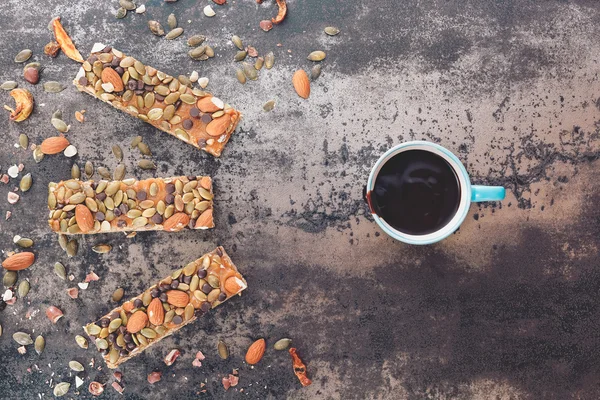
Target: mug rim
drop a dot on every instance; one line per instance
(464, 182)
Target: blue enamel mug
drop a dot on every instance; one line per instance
(468, 193)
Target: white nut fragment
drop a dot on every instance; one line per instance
(217, 102)
(83, 285)
(13, 198)
(203, 82)
(108, 87)
(141, 9)
(98, 47)
(209, 12)
(13, 171)
(70, 151)
(78, 381)
(194, 76)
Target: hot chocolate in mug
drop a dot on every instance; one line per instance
(420, 193)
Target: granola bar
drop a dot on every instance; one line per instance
(166, 307)
(168, 204)
(168, 103)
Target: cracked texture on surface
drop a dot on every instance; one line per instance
(506, 308)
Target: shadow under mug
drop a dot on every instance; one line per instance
(468, 193)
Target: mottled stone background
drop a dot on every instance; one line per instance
(507, 308)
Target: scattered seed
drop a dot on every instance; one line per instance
(269, 60)
(119, 172)
(315, 72)
(38, 155)
(117, 295)
(9, 278)
(282, 344)
(76, 366)
(103, 171)
(0, 330)
(25, 183)
(196, 40)
(70, 151)
(59, 270)
(197, 53)
(250, 71)
(237, 42)
(61, 389)
(316, 56)
(23, 56)
(121, 13)
(40, 344)
(53, 87)
(269, 105)
(146, 164)
(75, 172)
(141, 9)
(203, 82)
(116, 149)
(81, 341)
(72, 247)
(79, 116)
(175, 33)
(156, 28)
(102, 248)
(22, 338)
(266, 25)
(209, 12)
(9, 85)
(23, 289)
(127, 4)
(240, 55)
(89, 169)
(60, 125)
(172, 21)
(223, 350)
(331, 30)
(240, 76)
(144, 149)
(259, 63)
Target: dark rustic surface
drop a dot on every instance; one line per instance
(507, 308)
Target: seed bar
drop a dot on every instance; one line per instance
(168, 103)
(166, 307)
(168, 204)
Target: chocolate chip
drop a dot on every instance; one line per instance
(114, 315)
(115, 61)
(201, 273)
(142, 195)
(139, 91)
(83, 81)
(177, 320)
(187, 124)
(222, 296)
(174, 284)
(100, 216)
(187, 279)
(131, 346)
(120, 70)
(132, 84)
(154, 293)
(194, 112)
(149, 88)
(169, 198)
(124, 353)
(117, 212)
(163, 297)
(104, 322)
(123, 208)
(206, 288)
(127, 338)
(205, 306)
(206, 118)
(170, 188)
(101, 196)
(159, 97)
(157, 218)
(107, 49)
(121, 224)
(140, 84)
(92, 59)
(137, 303)
(111, 338)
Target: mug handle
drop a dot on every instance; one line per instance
(487, 193)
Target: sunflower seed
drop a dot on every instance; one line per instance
(146, 164)
(156, 28)
(22, 338)
(269, 105)
(76, 366)
(240, 55)
(25, 183)
(61, 389)
(9, 278)
(9, 85)
(59, 270)
(144, 149)
(23, 56)
(40, 344)
(235, 39)
(239, 74)
(81, 341)
(316, 56)
(175, 33)
(60, 125)
(102, 248)
(249, 71)
(196, 40)
(208, 11)
(119, 172)
(53, 87)
(315, 72)
(331, 30)
(269, 60)
(223, 350)
(172, 21)
(23, 289)
(75, 172)
(121, 13)
(116, 149)
(127, 4)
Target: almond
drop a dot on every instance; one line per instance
(19, 261)
(205, 220)
(54, 314)
(206, 182)
(255, 351)
(109, 75)
(176, 222)
(178, 298)
(301, 83)
(84, 218)
(54, 145)
(137, 322)
(156, 312)
(206, 105)
(233, 285)
(218, 126)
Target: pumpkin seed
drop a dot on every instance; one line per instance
(260, 61)
(113, 356)
(104, 172)
(189, 312)
(102, 248)
(239, 74)
(282, 344)
(119, 172)
(77, 198)
(61, 389)
(93, 329)
(156, 28)
(188, 98)
(81, 341)
(22, 338)
(116, 149)
(38, 156)
(9, 85)
(315, 72)
(144, 149)
(40, 344)
(75, 172)
(76, 366)
(197, 52)
(53, 87)
(60, 125)
(223, 350)
(59, 270)
(25, 183)
(23, 289)
(136, 141)
(114, 325)
(112, 188)
(172, 21)
(62, 241)
(316, 56)
(213, 281)
(196, 40)
(148, 332)
(249, 71)
(23, 56)
(235, 39)
(175, 33)
(269, 105)
(170, 99)
(127, 4)
(269, 60)
(121, 13)
(139, 222)
(23, 141)
(331, 30)
(72, 246)
(240, 55)
(9, 279)
(117, 295)
(101, 344)
(89, 169)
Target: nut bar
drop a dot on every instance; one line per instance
(166, 307)
(168, 204)
(168, 103)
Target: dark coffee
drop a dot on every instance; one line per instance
(416, 192)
